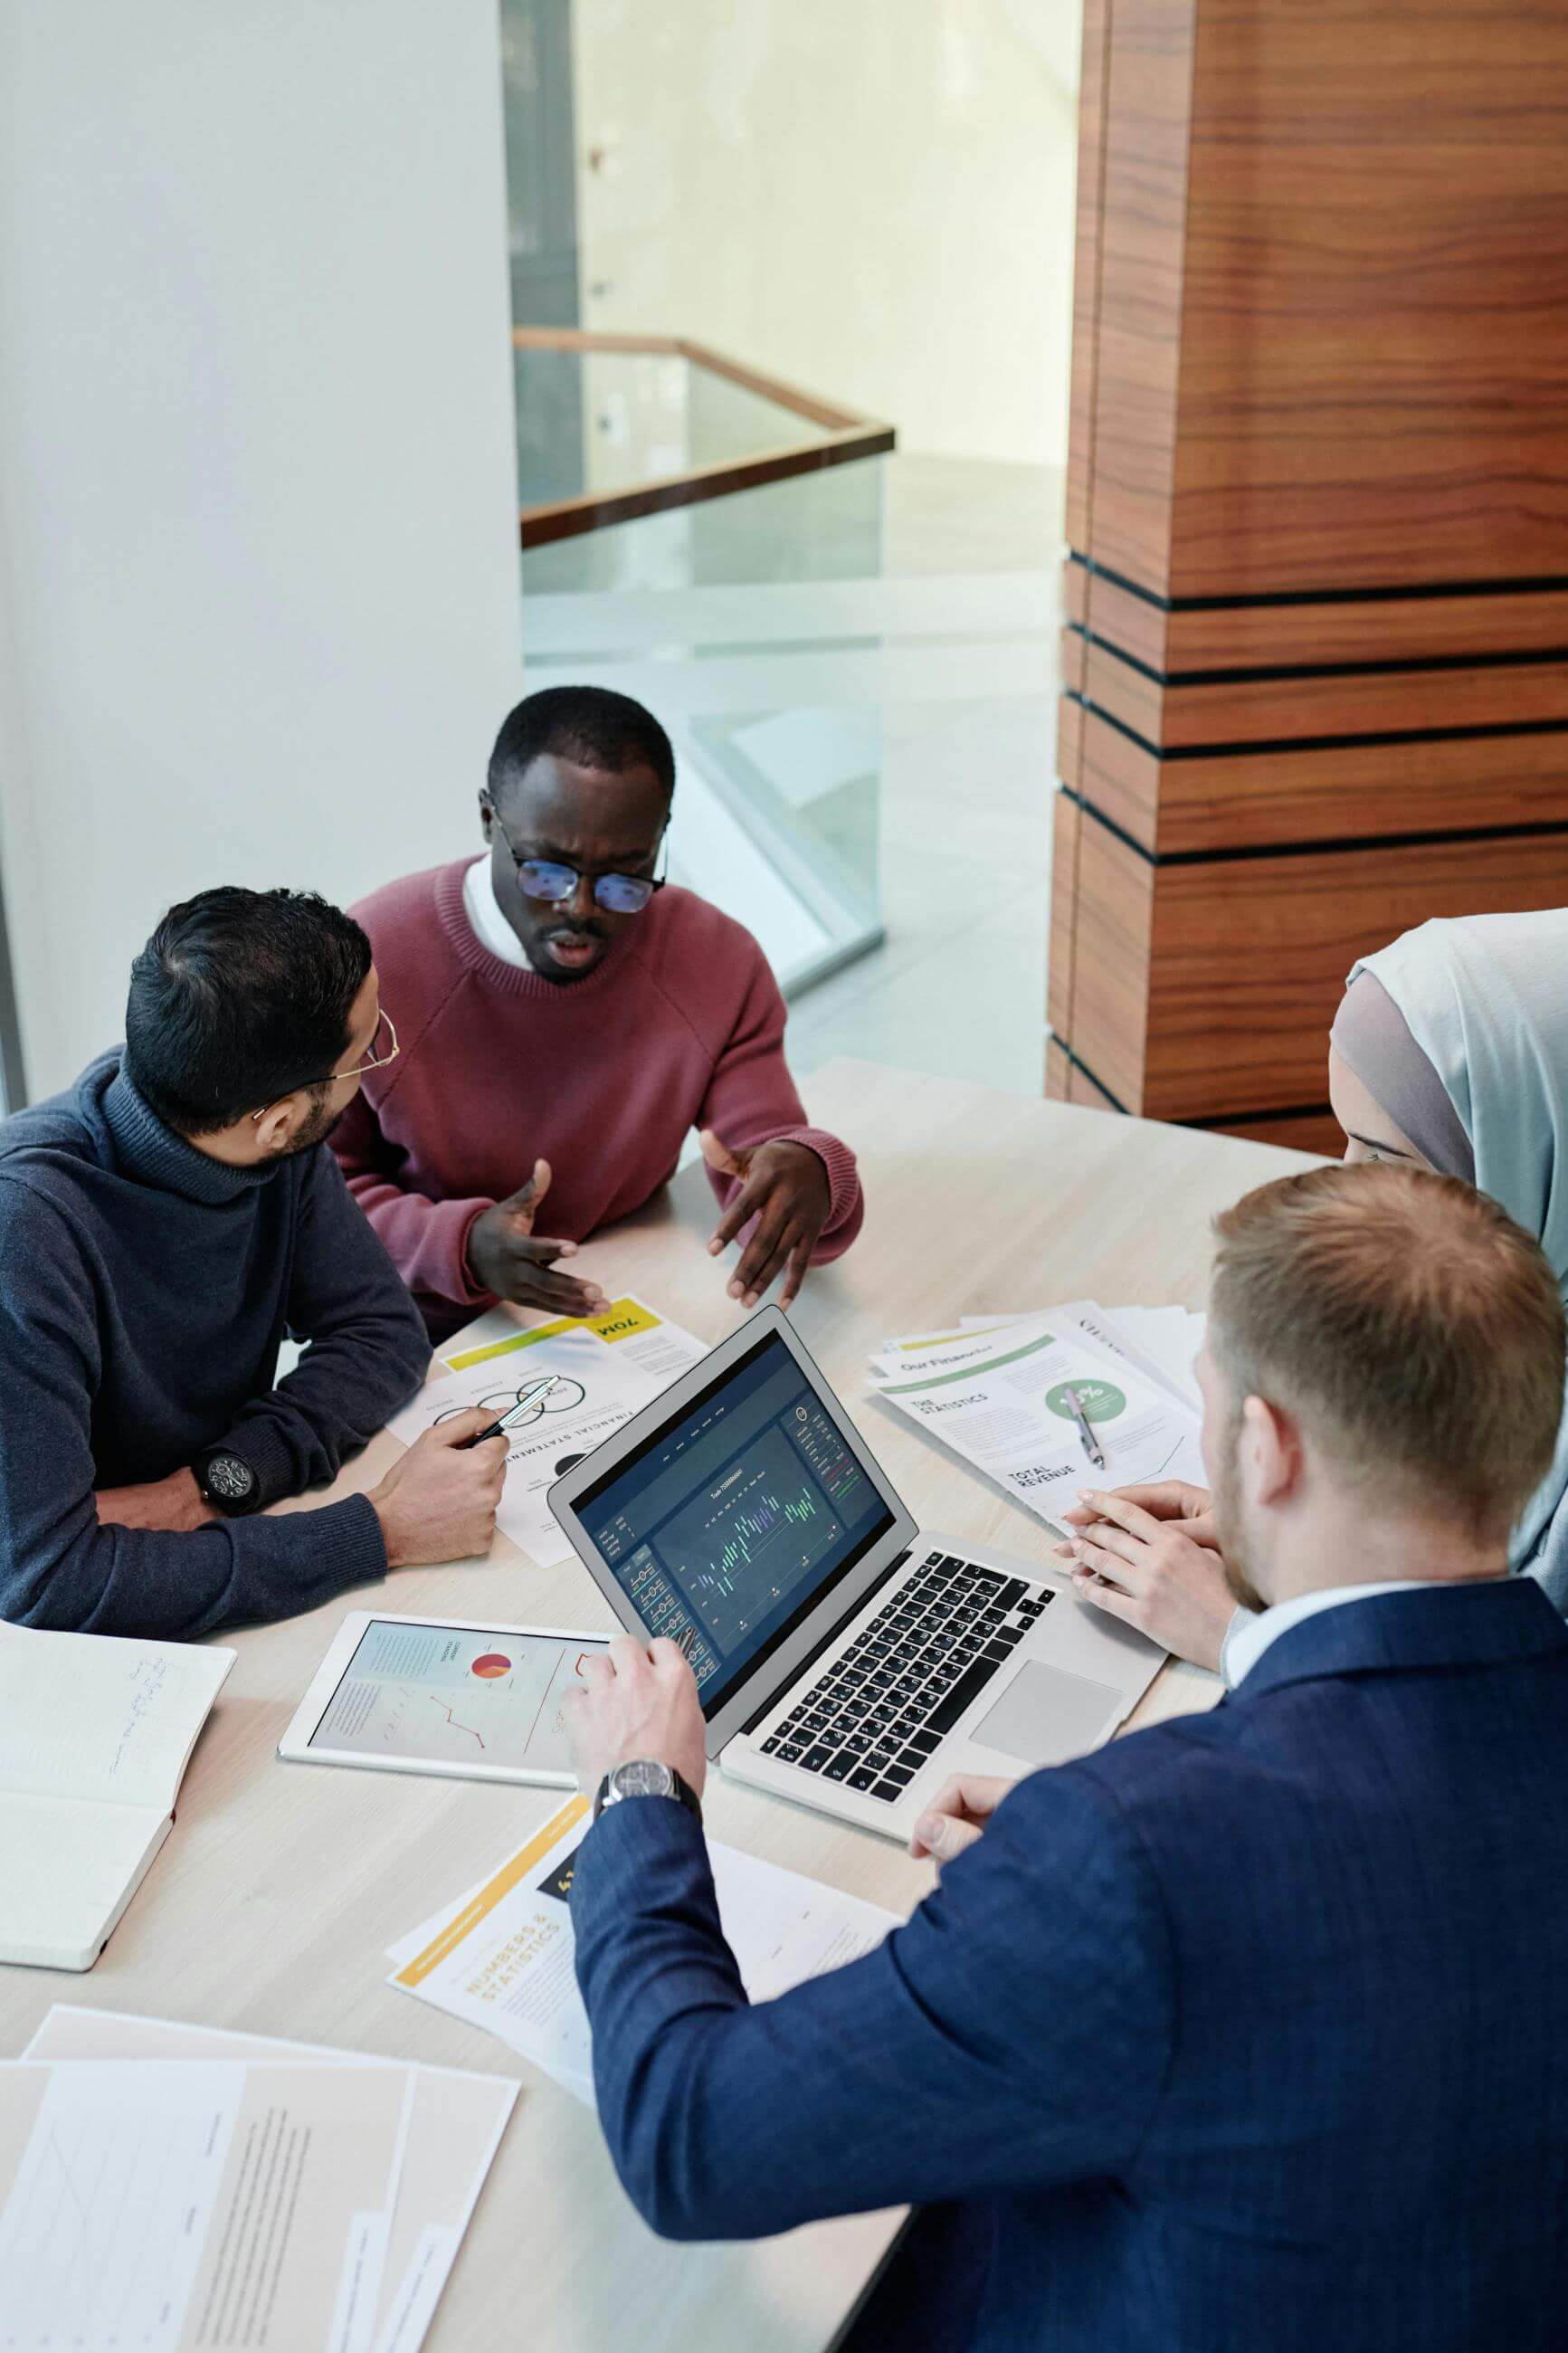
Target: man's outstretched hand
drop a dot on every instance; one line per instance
(637, 1699)
(505, 1257)
(784, 1187)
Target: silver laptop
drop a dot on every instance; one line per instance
(845, 1657)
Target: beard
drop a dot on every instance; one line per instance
(1230, 1523)
(318, 1126)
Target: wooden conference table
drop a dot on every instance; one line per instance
(271, 1906)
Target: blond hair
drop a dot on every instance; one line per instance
(1407, 1322)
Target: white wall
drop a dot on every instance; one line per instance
(873, 197)
(258, 581)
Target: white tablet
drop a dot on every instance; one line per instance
(442, 1695)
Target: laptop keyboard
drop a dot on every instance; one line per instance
(879, 1710)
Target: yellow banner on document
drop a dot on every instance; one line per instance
(479, 1906)
(619, 1321)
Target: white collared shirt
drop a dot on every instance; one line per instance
(489, 925)
(1250, 1632)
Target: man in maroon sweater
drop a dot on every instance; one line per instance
(565, 1018)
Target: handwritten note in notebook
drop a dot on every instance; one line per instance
(95, 1734)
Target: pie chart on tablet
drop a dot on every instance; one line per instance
(490, 1664)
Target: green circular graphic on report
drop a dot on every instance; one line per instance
(1102, 1401)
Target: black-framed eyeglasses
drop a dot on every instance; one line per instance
(553, 881)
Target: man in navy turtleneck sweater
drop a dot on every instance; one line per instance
(164, 1226)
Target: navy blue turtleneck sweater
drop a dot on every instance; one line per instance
(144, 1289)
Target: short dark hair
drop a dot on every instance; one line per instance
(1408, 1322)
(590, 724)
(238, 998)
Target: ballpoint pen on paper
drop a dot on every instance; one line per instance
(531, 1395)
(1086, 1437)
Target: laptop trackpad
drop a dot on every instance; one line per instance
(1045, 1714)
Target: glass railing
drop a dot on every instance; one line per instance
(681, 516)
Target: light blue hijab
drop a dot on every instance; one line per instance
(1485, 997)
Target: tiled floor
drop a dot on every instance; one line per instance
(952, 653)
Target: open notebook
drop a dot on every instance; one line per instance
(95, 1736)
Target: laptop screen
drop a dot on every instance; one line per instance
(730, 1523)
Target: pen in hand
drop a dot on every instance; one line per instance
(530, 1396)
(1086, 1437)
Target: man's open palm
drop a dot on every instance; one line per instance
(508, 1258)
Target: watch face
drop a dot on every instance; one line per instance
(643, 1779)
(229, 1479)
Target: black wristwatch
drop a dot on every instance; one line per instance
(644, 1776)
(229, 1484)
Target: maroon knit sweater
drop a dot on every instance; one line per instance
(681, 1026)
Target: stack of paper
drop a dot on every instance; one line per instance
(177, 2186)
(1001, 1391)
(503, 1955)
(604, 1369)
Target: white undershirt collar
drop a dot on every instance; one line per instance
(489, 924)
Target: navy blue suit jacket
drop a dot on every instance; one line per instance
(1245, 2032)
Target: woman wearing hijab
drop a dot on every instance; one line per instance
(1449, 1049)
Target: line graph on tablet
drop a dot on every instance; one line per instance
(446, 1695)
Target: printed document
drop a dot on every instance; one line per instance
(502, 1957)
(602, 1369)
(1162, 1341)
(1002, 1398)
(183, 2206)
(455, 2124)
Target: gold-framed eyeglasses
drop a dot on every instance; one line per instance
(386, 1035)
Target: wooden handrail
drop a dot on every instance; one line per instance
(847, 436)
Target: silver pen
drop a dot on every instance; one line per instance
(531, 1394)
(1086, 1437)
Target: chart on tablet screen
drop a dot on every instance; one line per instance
(442, 1695)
